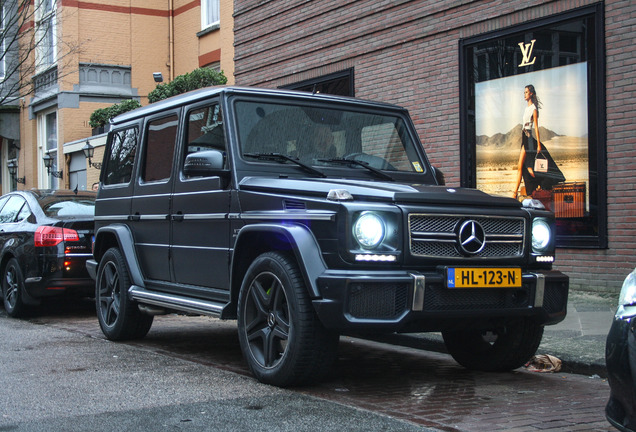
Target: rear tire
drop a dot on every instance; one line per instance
(118, 315)
(281, 337)
(12, 289)
(503, 348)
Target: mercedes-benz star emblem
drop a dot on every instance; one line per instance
(471, 237)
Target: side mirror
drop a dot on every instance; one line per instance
(439, 176)
(208, 163)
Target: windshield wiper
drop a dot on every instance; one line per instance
(344, 161)
(279, 157)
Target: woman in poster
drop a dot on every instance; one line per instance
(531, 148)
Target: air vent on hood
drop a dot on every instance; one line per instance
(294, 205)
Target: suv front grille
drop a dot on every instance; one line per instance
(436, 236)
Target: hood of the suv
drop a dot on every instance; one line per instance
(363, 190)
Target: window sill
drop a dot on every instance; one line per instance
(207, 30)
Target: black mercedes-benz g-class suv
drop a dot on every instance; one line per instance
(309, 216)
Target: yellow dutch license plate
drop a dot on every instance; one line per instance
(463, 277)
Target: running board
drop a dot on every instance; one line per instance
(171, 301)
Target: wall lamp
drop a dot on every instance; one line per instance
(89, 150)
(48, 163)
(13, 172)
(157, 76)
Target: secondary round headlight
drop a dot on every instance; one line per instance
(540, 235)
(369, 230)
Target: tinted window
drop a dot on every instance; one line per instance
(314, 134)
(121, 156)
(11, 209)
(3, 201)
(205, 130)
(160, 141)
(68, 206)
(24, 213)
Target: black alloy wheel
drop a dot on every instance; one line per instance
(118, 315)
(12, 288)
(281, 337)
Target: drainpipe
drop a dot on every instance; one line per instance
(171, 37)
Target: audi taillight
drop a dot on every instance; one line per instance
(52, 236)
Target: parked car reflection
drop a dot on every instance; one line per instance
(620, 358)
(45, 239)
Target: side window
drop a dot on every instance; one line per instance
(11, 209)
(3, 201)
(121, 156)
(204, 130)
(24, 213)
(161, 137)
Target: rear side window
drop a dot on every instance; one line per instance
(121, 156)
(11, 209)
(159, 150)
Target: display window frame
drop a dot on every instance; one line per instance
(563, 58)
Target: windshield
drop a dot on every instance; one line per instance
(323, 136)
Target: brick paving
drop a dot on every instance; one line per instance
(432, 390)
(422, 387)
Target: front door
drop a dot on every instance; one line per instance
(200, 224)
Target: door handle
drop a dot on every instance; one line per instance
(134, 218)
(177, 217)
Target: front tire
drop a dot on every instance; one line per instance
(281, 337)
(499, 349)
(12, 289)
(118, 315)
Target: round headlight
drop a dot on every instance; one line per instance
(540, 235)
(369, 230)
(627, 297)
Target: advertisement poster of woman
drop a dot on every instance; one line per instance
(561, 126)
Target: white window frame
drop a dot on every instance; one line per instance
(45, 180)
(45, 54)
(210, 13)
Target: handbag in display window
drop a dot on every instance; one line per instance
(540, 163)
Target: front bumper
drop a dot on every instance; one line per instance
(620, 358)
(403, 301)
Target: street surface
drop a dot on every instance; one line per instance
(57, 372)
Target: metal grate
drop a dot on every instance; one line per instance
(448, 300)
(377, 300)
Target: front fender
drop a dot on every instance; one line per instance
(299, 240)
(118, 235)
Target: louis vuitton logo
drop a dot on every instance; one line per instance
(526, 52)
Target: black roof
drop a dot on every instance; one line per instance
(201, 94)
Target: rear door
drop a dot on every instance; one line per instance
(151, 204)
(114, 201)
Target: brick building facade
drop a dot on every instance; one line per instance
(92, 54)
(409, 53)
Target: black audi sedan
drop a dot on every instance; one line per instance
(620, 359)
(45, 239)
